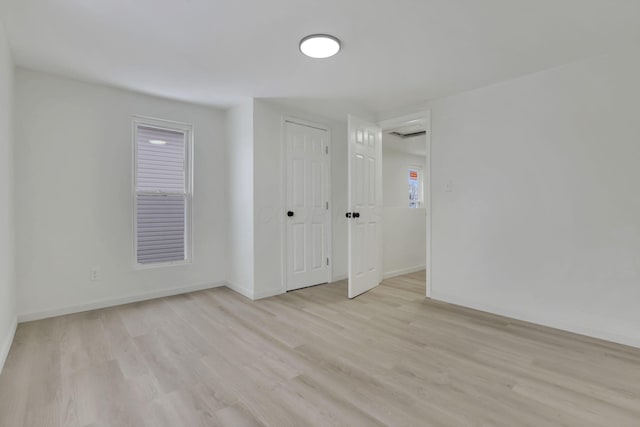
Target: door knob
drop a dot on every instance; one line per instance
(356, 214)
(290, 213)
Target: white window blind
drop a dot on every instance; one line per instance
(162, 194)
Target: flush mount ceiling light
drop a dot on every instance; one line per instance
(157, 142)
(319, 45)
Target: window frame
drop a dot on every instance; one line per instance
(188, 131)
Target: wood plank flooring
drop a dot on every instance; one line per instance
(312, 358)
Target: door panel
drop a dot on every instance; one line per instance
(371, 182)
(365, 202)
(298, 248)
(317, 180)
(318, 243)
(358, 176)
(307, 197)
(298, 183)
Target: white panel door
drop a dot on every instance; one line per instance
(307, 213)
(365, 206)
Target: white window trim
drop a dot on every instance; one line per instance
(188, 130)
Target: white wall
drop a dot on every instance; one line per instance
(7, 276)
(543, 222)
(240, 236)
(404, 230)
(74, 196)
(269, 213)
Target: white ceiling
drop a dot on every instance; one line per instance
(395, 53)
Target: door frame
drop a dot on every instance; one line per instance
(284, 201)
(396, 122)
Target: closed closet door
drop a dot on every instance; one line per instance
(307, 215)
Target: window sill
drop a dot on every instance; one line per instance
(152, 266)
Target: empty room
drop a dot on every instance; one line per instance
(319, 213)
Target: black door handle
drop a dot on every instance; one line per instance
(290, 213)
(356, 214)
(348, 215)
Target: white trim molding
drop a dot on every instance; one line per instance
(267, 293)
(253, 296)
(94, 305)
(245, 292)
(6, 343)
(549, 322)
(402, 272)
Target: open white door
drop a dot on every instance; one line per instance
(365, 206)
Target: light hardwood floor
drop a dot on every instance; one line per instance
(312, 358)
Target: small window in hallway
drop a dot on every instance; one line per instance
(415, 188)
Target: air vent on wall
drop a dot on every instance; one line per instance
(408, 135)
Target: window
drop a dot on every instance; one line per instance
(162, 191)
(415, 188)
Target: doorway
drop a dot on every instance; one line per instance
(406, 165)
(308, 218)
(367, 194)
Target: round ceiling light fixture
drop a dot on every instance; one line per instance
(320, 46)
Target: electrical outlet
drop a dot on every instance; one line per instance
(94, 274)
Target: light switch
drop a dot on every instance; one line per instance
(449, 187)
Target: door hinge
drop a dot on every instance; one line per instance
(326, 149)
(327, 205)
(327, 261)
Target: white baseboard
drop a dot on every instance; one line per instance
(551, 323)
(254, 295)
(6, 343)
(268, 293)
(60, 311)
(94, 305)
(245, 292)
(339, 278)
(403, 271)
